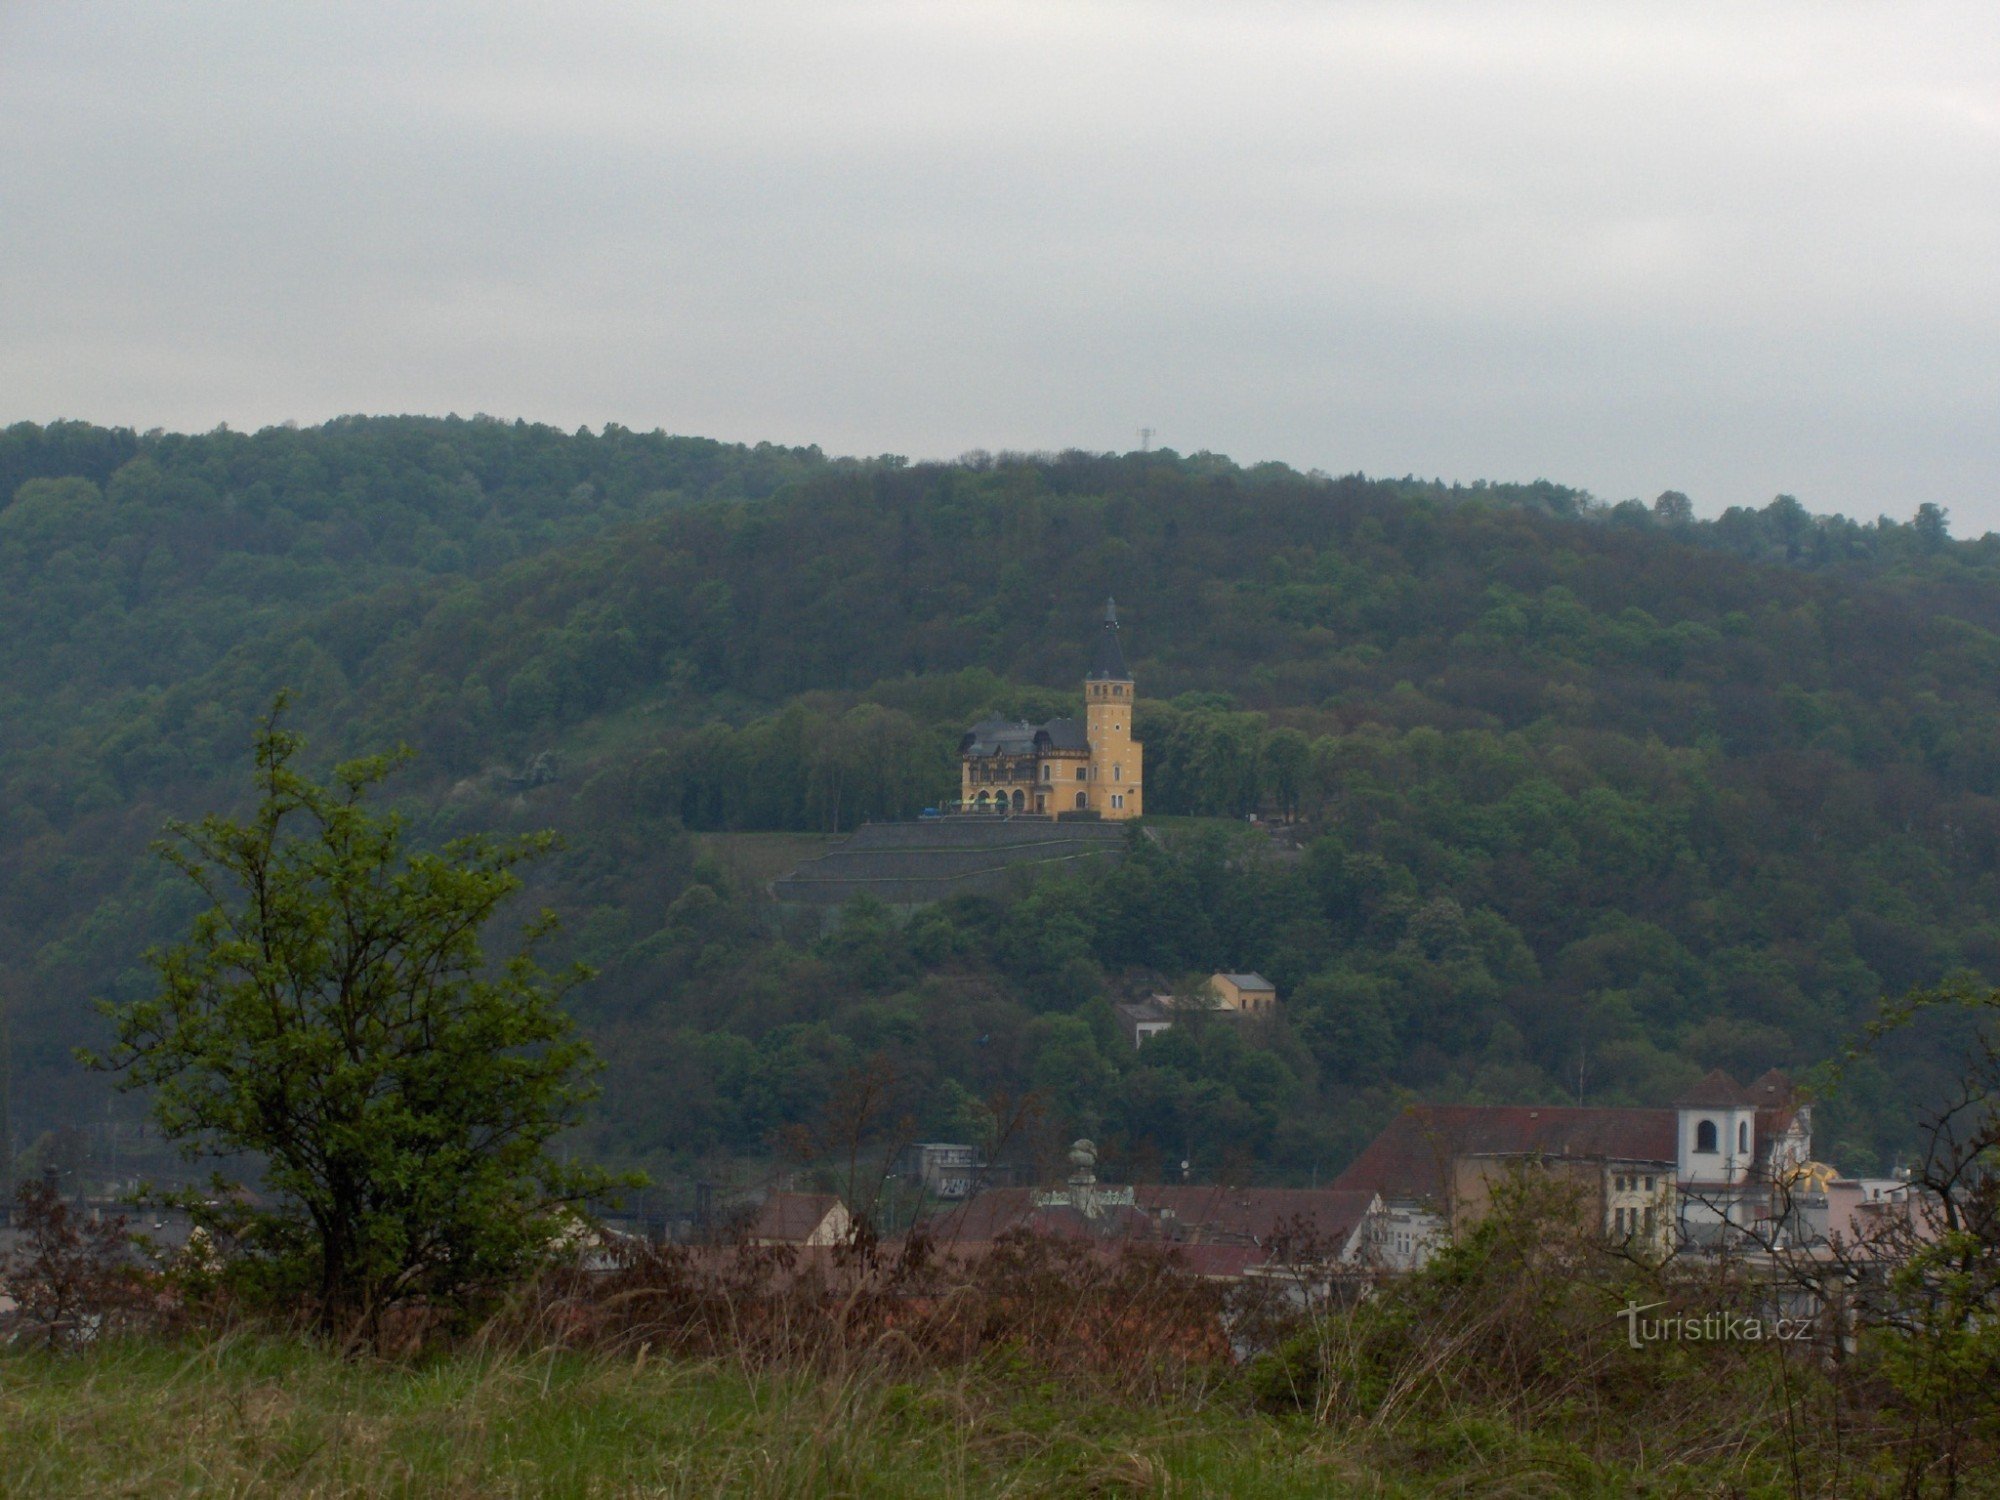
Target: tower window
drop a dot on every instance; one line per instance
(1704, 1136)
(1742, 1135)
(1048, 773)
(1117, 773)
(1080, 799)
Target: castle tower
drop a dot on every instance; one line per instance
(1115, 787)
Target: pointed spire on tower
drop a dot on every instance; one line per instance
(1109, 663)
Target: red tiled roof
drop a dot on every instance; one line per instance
(1412, 1157)
(984, 1216)
(1259, 1215)
(1253, 1219)
(998, 1211)
(1717, 1090)
(1219, 1262)
(791, 1218)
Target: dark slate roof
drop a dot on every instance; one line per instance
(1143, 1010)
(1066, 734)
(1412, 1157)
(1108, 665)
(999, 737)
(1019, 737)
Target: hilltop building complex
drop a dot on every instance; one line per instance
(1062, 768)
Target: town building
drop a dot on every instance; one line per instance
(1220, 1232)
(1245, 994)
(1145, 1019)
(1713, 1172)
(945, 1169)
(1062, 767)
(815, 1219)
(1735, 1148)
(1223, 997)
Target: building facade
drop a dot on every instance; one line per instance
(1062, 767)
(1713, 1173)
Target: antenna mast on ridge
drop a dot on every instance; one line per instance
(1145, 440)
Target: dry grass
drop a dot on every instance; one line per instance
(263, 1416)
(1032, 1368)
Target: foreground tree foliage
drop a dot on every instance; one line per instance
(333, 1013)
(71, 1277)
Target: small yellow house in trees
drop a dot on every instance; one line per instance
(1012, 766)
(1246, 994)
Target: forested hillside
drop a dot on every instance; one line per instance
(1588, 797)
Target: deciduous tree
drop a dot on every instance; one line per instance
(333, 1013)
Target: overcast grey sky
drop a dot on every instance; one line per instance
(1730, 248)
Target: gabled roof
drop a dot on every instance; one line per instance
(1249, 982)
(792, 1217)
(1771, 1090)
(1717, 1090)
(1411, 1158)
(986, 1215)
(998, 737)
(1327, 1217)
(1142, 1010)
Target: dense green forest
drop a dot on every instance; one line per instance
(1588, 797)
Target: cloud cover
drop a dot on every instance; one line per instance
(1732, 249)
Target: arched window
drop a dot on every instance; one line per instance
(1704, 1136)
(1742, 1135)
(1048, 773)
(1019, 801)
(1117, 773)
(1081, 800)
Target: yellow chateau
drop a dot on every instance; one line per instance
(1062, 767)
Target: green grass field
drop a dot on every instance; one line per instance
(246, 1416)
